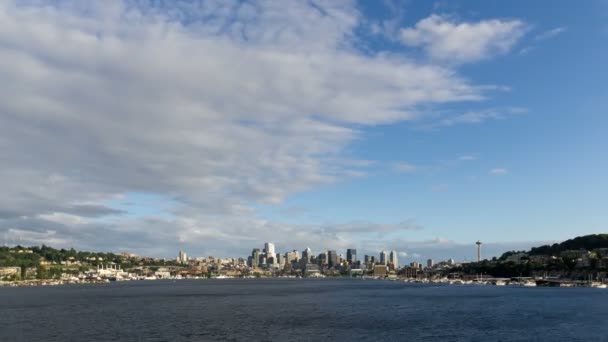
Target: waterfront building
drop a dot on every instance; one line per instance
(366, 259)
(372, 259)
(380, 271)
(9, 271)
(394, 259)
(429, 263)
(311, 269)
(351, 255)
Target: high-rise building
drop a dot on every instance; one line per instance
(394, 259)
(255, 257)
(279, 259)
(291, 257)
(332, 258)
(351, 255)
(269, 248)
(478, 243)
(429, 263)
(322, 259)
(383, 258)
(307, 254)
(366, 259)
(372, 259)
(182, 257)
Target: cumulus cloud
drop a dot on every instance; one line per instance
(467, 157)
(445, 39)
(215, 106)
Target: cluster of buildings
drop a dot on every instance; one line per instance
(307, 263)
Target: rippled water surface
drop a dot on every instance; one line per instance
(300, 310)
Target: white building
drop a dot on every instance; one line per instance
(394, 260)
(307, 254)
(182, 258)
(383, 258)
(269, 248)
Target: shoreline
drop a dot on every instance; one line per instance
(445, 282)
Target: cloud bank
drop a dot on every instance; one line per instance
(215, 105)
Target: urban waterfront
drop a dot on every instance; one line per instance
(300, 310)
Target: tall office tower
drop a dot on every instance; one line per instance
(279, 259)
(478, 243)
(182, 258)
(394, 260)
(307, 254)
(429, 263)
(291, 257)
(366, 259)
(332, 258)
(269, 248)
(372, 259)
(322, 259)
(383, 258)
(255, 257)
(351, 255)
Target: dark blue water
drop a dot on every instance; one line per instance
(301, 310)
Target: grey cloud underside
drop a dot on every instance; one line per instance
(217, 106)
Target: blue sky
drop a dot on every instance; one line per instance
(216, 126)
(552, 151)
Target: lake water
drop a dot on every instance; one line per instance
(300, 310)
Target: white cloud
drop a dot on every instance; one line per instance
(467, 158)
(550, 33)
(498, 171)
(404, 167)
(444, 39)
(216, 106)
(479, 116)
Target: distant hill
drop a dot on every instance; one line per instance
(588, 242)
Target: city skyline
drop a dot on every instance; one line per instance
(413, 127)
